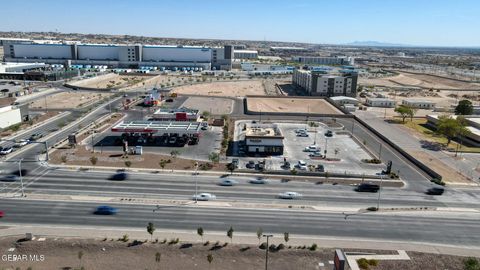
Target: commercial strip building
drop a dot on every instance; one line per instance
(263, 140)
(380, 102)
(318, 83)
(338, 60)
(419, 104)
(181, 114)
(125, 56)
(11, 114)
(473, 125)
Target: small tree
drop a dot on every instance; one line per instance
(231, 167)
(230, 233)
(93, 160)
(150, 229)
(206, 115)
(80, 256)
(471, 264)
(286, 237)
(259, 234)
(174, 153)
(200, 232)
(128, 163)
(210, 258)
(158, 257)
(450, 127)
(214, 157)
(404, 112)
(64, 159)
(464, 107)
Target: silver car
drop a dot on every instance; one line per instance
(228, 182)
(204, 197)
(290, 195)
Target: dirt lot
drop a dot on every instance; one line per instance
(216, 106)
(425, 81)
(68, 100)
(229, 89)
(291, 105)
(102, 254)
(112, 81)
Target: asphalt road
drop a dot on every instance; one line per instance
(458, 229)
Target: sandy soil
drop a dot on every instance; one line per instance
(426, 81)
(102, 254)
(68, 100)
(449, 175)
(216, 106)
(298, 105)
(111, 81)
(230, 89)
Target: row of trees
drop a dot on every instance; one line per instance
(464, 107)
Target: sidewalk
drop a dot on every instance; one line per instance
(238, 238)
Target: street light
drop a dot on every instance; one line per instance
(196, 180)
(266, 250)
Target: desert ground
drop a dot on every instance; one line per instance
(101, 254)
(215, 106)
(291, 105)
(111, 80)
(68, 100)
(229, 89)
(424, 81)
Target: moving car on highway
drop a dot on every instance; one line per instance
(435, 191)
(105, 210)
(21, 143)
(228, 182)
(35, 136)
(9, 178)
(258, 180)
(204, 197)
(120, 176)
(290, 195)
(5, 150)
(2, 214)
(367, 187)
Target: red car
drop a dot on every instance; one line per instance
(1, 214)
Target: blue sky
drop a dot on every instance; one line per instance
(415, 22)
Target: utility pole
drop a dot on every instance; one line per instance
(266, 250)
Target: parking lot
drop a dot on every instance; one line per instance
(343, 154)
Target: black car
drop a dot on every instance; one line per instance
(120, 176)
(329, 133)
(35, 137)
(367, 187)
(435, 191)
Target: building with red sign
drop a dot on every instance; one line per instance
(181, 114)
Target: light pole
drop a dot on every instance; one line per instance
(326, 144)
(266, 250)
(379, 192)
(196, 184)
(21, 176)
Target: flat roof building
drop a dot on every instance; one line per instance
(245, 54)
(181, 114)
(321, 83)
(263, 140)
(419, 104)
(380, 102)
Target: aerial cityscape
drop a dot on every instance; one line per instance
(217, 135)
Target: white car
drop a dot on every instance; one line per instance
(6, 150)
(302, 165)
(290, 195)
(302, 134)
(21, 143)
(258, 180)
(312, 148)
(204, 197)
(300, 130)
(228, 182)
(315, 154)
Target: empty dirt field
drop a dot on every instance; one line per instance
(419, 80)
(227, 89)
(213, 105)
(68, 100)
(112, 80)
(291, 105)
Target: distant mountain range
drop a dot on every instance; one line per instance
(376, 44)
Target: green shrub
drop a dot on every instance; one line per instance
(263, 245)
(313, 247)
(373, 262)
(471, 264)
(363, 264)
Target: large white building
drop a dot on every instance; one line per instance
(419, 104)
(115, 55)
(327, 85)
(323, 60)
(9, 115)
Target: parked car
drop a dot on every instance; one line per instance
(204, 197)
(290, 195)
(302, 134)
(6, 150)
(286, 165)
(228, 182)
(9, 178)
(329, 133)
(300, 130)
(21, 143)
(169, 100)
(35, 136)
(367, 187)
(172, 140)
(302, 165)
(315, 154)
(312, 148)
(258, 180)
(105, 210)
(235, 162)
(120, 176)
(251, 164)
(320, 168)
(435, 191)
